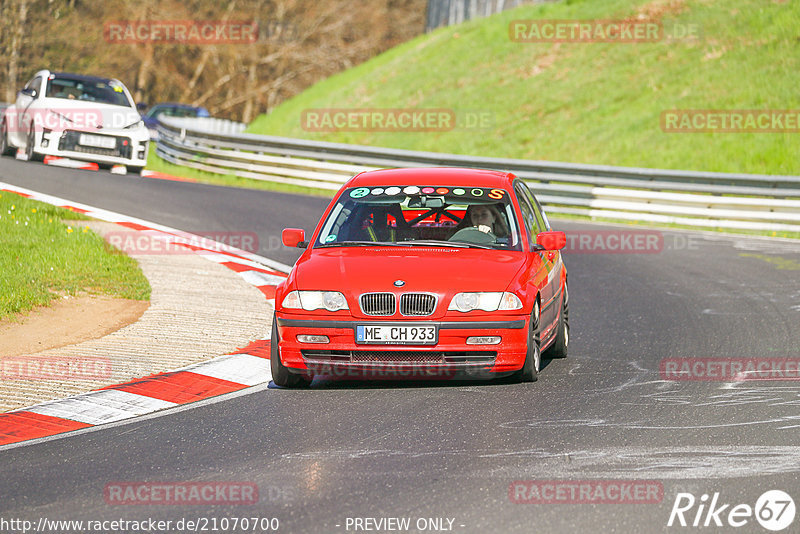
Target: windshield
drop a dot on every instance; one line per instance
(108, 92)
(411, 215)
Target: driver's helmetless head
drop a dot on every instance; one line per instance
(481, 215)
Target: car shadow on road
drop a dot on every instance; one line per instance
(334, 382)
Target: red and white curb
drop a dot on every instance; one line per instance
(241, 369)
(58, 161)
(71, 163)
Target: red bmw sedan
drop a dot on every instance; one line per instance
(423, 273)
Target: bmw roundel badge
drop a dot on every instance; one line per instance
(399, 283)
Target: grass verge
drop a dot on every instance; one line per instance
(583, 102)
(43, 258)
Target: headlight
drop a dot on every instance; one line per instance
(138, 125)
(314, 300)
(486, 301)
(60, 115)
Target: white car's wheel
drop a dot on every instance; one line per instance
(5, 148)
(30, 146)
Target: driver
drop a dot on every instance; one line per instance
(487, 216)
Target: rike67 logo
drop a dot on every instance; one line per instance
(774, 510)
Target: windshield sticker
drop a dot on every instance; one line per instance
(360, 192)
(331, 238)
(412, 190)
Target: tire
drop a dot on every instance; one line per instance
(135, 170)
(559, 347)
(533, 357)
(30, 147)
(5, 148)
(280, 373)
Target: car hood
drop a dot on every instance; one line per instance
(443, 271)
(89, 116)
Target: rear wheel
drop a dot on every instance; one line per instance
(559, 347)
(280, 373)
(533, 358)
(5, 148)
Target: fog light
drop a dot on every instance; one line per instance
(483, 340)
(141, 153)
(45, 143)
(305, 338)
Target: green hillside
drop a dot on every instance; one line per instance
(583, 102)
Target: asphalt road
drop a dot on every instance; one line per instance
(344, 450)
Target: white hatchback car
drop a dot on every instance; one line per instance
(79, 117)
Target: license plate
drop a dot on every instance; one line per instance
(100, 141)
(396, 334)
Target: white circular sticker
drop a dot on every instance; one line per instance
(411, 190)
(392, 190)
(775, 510)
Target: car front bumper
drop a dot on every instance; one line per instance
(130, 149)
(451, 356)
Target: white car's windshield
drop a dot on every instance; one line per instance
(412, 215)
(104, 92)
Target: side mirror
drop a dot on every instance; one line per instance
(29, 92)
(294, 237)
(551, 241)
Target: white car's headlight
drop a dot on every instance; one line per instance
(315, 300)
(486, 301)
(138, 125)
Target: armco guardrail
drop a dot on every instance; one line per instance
(734, 201)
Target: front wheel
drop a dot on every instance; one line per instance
(533, 357)
(30, 146)
(5, 148)
(559, 347)
(280, 373)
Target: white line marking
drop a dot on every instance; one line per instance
(99, 407)
(261, 279)
(171, 411)
(240, 368)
